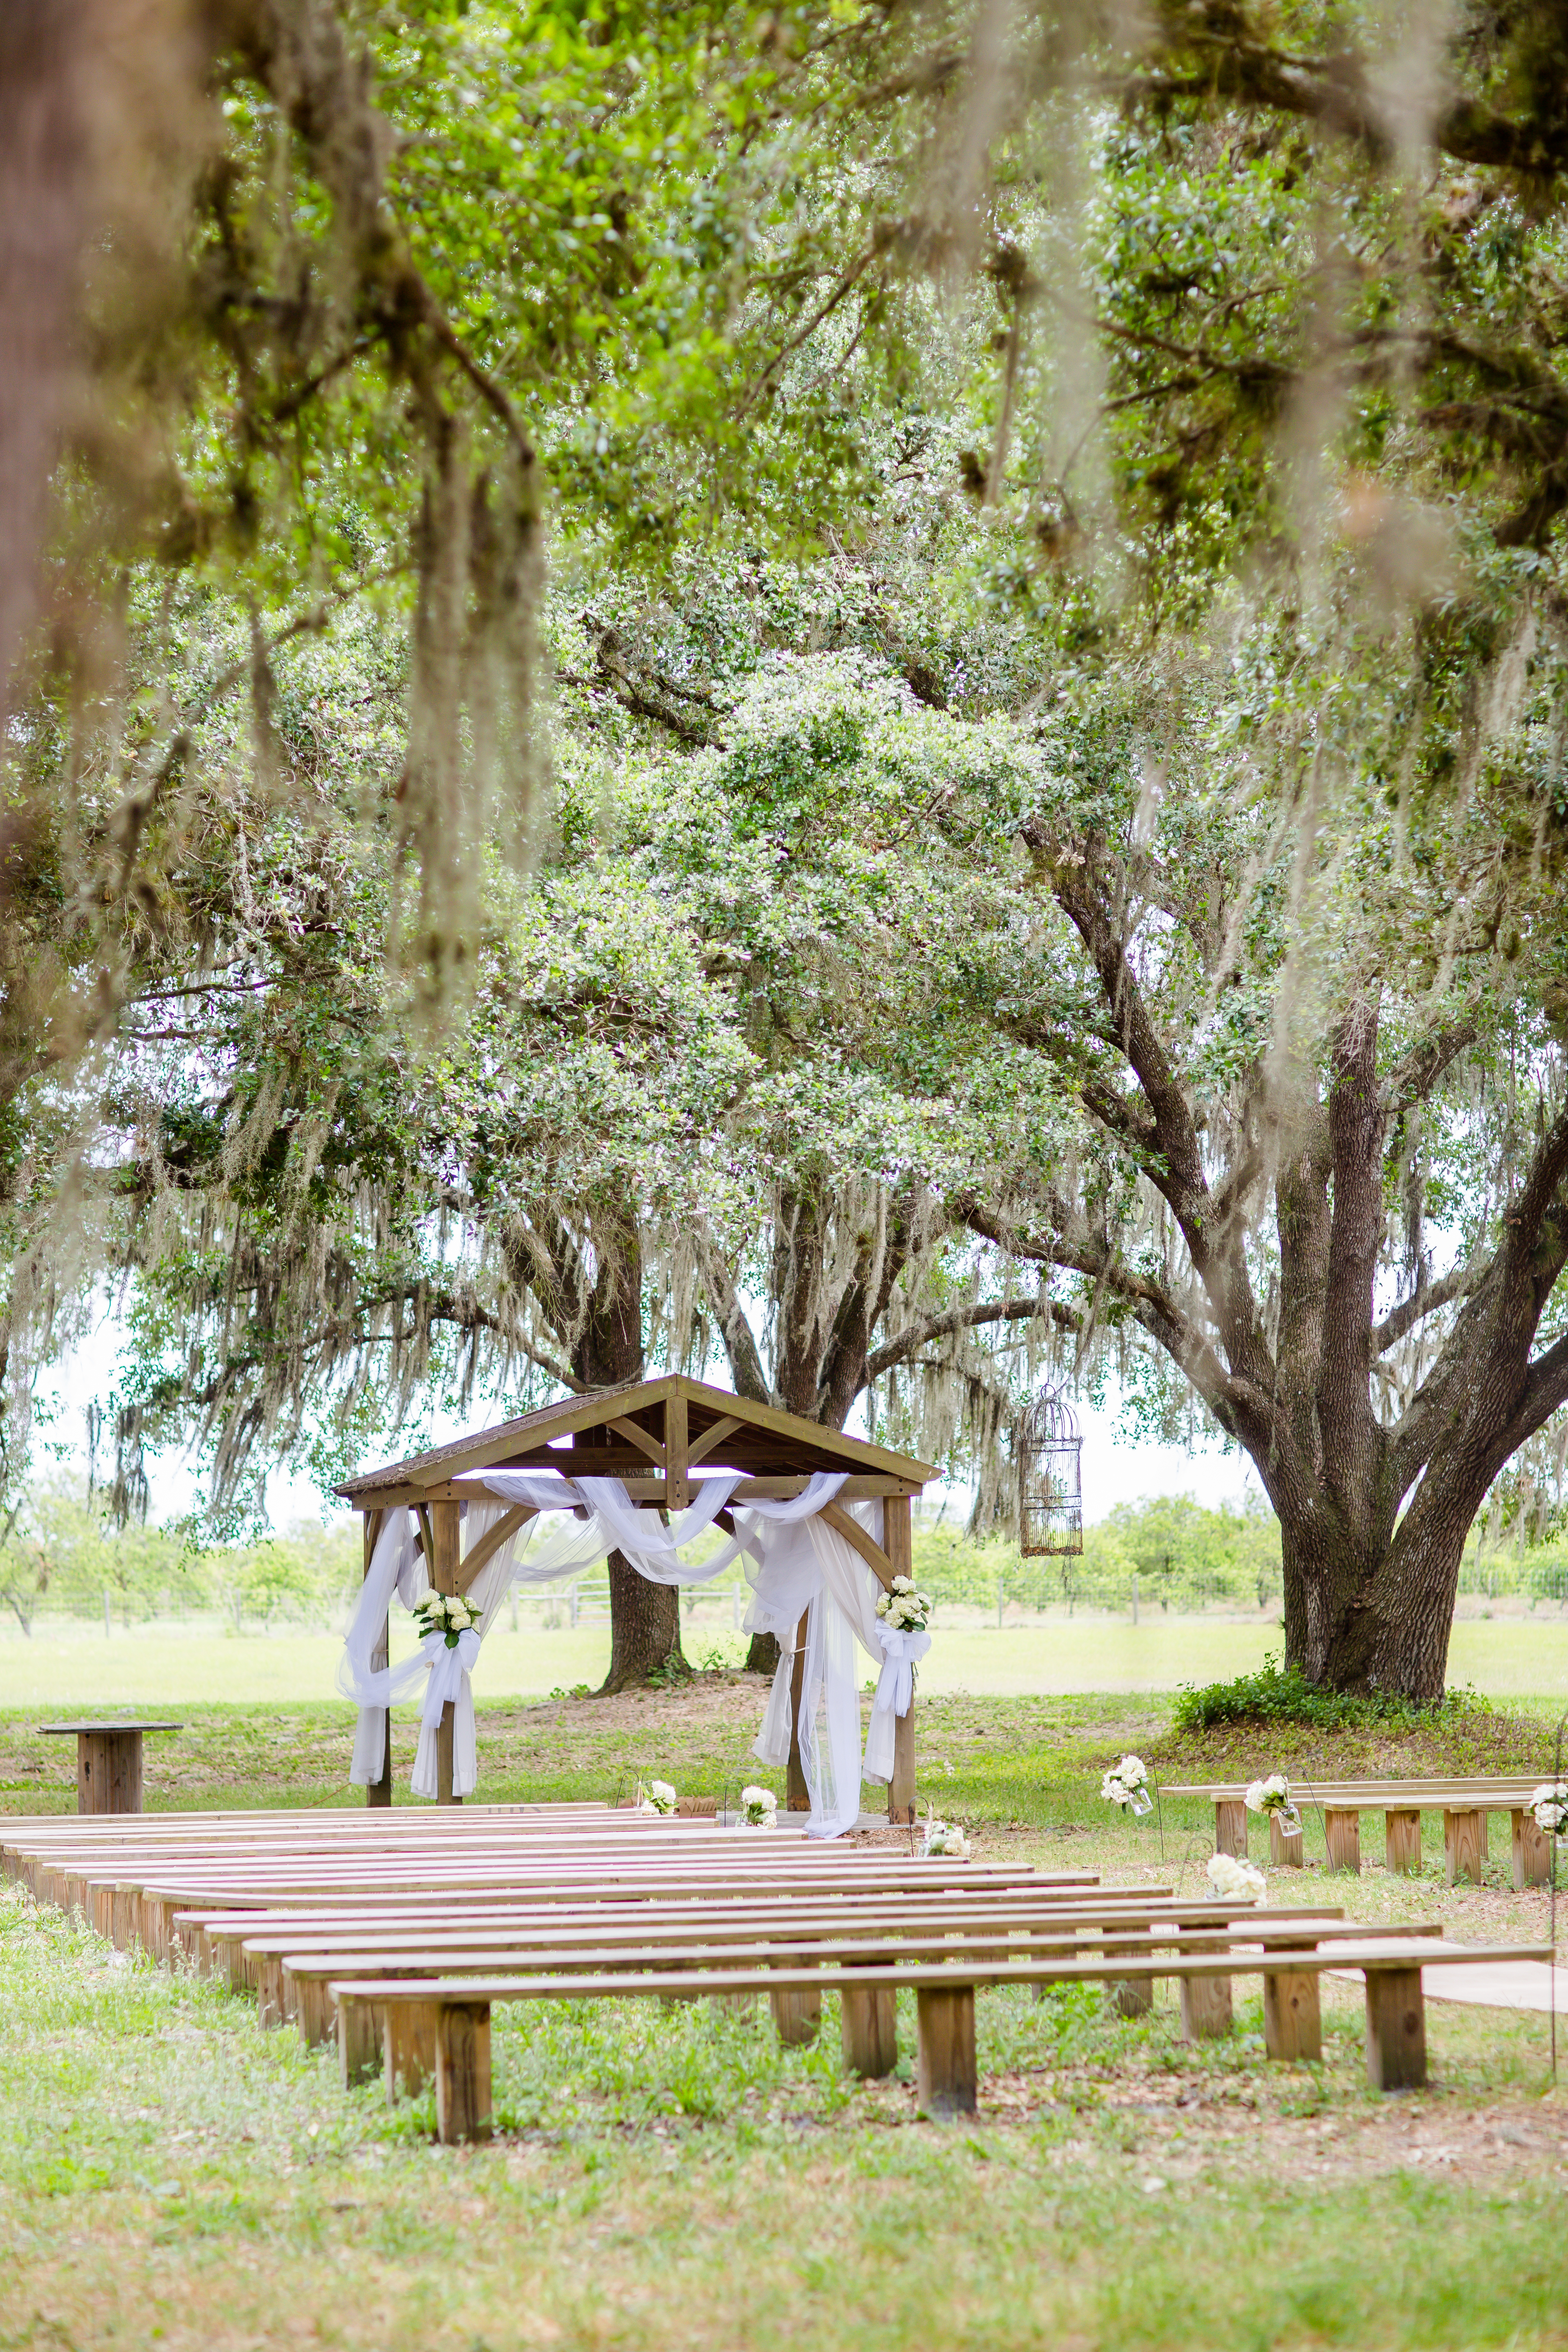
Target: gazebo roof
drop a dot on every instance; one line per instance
(652, 1433)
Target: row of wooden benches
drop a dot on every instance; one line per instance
(1465, 1805)
(404, 1938)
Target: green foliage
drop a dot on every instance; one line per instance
(64, 1554)
(1177, 1553)
(1277, 1694)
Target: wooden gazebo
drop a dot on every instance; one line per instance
(651, 1434)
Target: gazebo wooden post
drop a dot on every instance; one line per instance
(446, 1528)
(379, 1792)
(898, 1543)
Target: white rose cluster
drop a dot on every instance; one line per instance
(904, 1609)
(758, 1808)
(1127, 1785)
(1270, 1796)
(1233, 1878)
(946, 1838)
(1550, 1805)
(659, 1797)
(447, 1613)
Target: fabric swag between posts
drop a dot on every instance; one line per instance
(796, 1563)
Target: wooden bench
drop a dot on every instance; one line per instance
(291, 1979)
(1464, 1804)
(456, 2011)
(868, 2021)
(143, 1910)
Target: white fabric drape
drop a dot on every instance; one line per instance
(796, 1565)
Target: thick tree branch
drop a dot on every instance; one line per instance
(1423, 1301)
(745, 1361)
(904, 1344)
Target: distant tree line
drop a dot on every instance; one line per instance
(62, 1553)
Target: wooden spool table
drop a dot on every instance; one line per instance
(108, 1762)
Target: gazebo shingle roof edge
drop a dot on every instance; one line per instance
(654, 1434)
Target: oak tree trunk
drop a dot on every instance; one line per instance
(644, 1618)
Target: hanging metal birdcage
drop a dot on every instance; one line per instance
(1051, 1482)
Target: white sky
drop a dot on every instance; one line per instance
(1113, 1471)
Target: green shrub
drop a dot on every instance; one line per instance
(1278, 1694)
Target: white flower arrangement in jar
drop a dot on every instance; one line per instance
(1548, 1803)
(659, 1797)
(1126, 1786)
(1272, 1798)
(903, 1608)
(759, 1808)
(1233, 1879)
(447, 1613)
(945, 1838)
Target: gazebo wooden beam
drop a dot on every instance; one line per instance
(650, 1434)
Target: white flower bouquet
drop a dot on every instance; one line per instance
(904, 1609)
(1272, 1797)
(447, 1613)
(1548, 1803)
(659, 1797)
(759, 1808)
(1233, 1878)
(1126, 1785)
(945, 1838)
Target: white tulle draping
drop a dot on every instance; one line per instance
(397, 1566)
(796, 1563)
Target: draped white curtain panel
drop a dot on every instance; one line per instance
(796, 1565)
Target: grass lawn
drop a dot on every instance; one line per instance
(77, 1666)
(671, 2180)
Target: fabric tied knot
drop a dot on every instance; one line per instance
(450, 1664)
(896, 1684)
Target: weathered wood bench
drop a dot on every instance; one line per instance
(456, 2011)
(867, 2020)
(143, 1910)
(1464, 1804)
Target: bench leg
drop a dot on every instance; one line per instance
(462, 2071)
(360, 2031)
(1342, 1833)
(1464, 1850)
(312, 2010)
(270, 1990)
(1292, 2015)
(1401, 1842)
(1286, 1849)
(870, 2025)
(1395, 2029)
(1230, 1828)
(408, 2047)
(1135, 1996)
(947, 2075)
(1205, 2008)
(797, 2015)
(1531, 1849)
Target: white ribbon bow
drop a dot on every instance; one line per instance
(449, 1662)
(896, 1684)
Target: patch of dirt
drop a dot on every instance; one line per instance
(1178, 2129)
